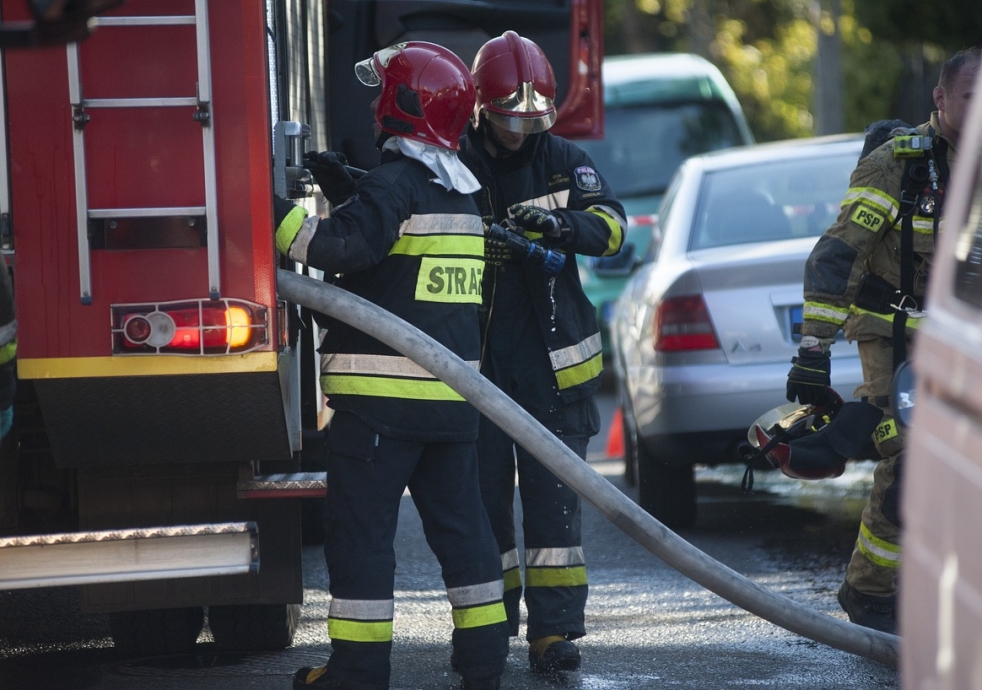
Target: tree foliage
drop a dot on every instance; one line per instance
(769, 50)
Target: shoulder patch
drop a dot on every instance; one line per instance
(587, 178)
(868, 218)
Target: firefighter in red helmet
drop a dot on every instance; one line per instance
(542, 343)
(409, 225)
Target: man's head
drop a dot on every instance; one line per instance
(427, 93)
(515, 90)
(954, 90)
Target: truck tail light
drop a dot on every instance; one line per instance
(192, 327)
(682, 324)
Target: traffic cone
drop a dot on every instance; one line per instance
(615, 437)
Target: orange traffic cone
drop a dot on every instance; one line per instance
(615, 437)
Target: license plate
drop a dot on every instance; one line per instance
(796, 318)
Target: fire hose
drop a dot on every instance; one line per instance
(578, 475)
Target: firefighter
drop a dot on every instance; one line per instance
(541, 338)
(868, 274)
(410, 240)
(8, 352)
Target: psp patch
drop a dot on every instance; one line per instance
(587, 179)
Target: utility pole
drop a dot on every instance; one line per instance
(827, 96)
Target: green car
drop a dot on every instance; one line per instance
(660, 109)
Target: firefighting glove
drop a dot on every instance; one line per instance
(809, 378)
(535, 219)
(331, 175)
(281, 209)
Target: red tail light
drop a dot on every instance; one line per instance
(193, 327)
(682, 324)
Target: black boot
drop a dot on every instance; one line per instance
(869, 611)
(553, 653)
(493, 683)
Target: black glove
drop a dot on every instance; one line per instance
(281, 209)
(809, 379)
(330, 174)
(535, 219)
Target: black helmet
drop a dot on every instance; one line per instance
(815, 441)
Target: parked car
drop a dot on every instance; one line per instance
(659, 110)
(941, 575)
(703, 332)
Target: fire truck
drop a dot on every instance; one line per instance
(168, 426)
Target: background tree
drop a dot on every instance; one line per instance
(859, 60)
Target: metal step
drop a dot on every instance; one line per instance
(149, 553)
(292, 485)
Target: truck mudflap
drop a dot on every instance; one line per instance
(128, 555)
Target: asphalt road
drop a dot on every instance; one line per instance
(648, 626)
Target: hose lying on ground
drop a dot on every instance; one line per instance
(565, 464)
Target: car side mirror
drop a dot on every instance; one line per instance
(620, 264)
(902, 393)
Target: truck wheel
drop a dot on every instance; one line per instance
(667, 493)
(253, 627)
(156, 632)
(630, 446)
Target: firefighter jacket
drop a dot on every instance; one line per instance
(552, 173)
(415, 249)
(865, 241)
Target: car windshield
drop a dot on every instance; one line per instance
(775, 200)
(644, 145)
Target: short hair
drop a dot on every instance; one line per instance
(953, 65)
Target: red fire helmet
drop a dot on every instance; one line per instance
(515, 84)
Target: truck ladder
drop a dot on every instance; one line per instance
(126, 555)
(203, 115)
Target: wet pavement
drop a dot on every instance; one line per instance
(648, 626)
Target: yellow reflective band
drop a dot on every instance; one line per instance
(479, 616)
(439, 245)
(876, 550)
(8, 352)
(885, 431)
(867, 218)
(288, 229)
(913, 321)
(616, 230)
(513, 579)
(590, 369)
(449, 280)
(817, 311)
(149, 365)
(556, 577)
(924, 226)
(359, 631)
(871, 197)
(379, 387)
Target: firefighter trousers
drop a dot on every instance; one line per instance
(875, 561)
(367, 475)
(555, 573)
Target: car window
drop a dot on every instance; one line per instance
(968, 253)
(776, 200)
(645, 144)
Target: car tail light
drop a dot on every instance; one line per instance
(192, 327)
(682, 324)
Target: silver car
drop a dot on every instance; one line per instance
(703, 334)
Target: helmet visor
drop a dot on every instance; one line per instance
(525, 111)
(367, 70)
